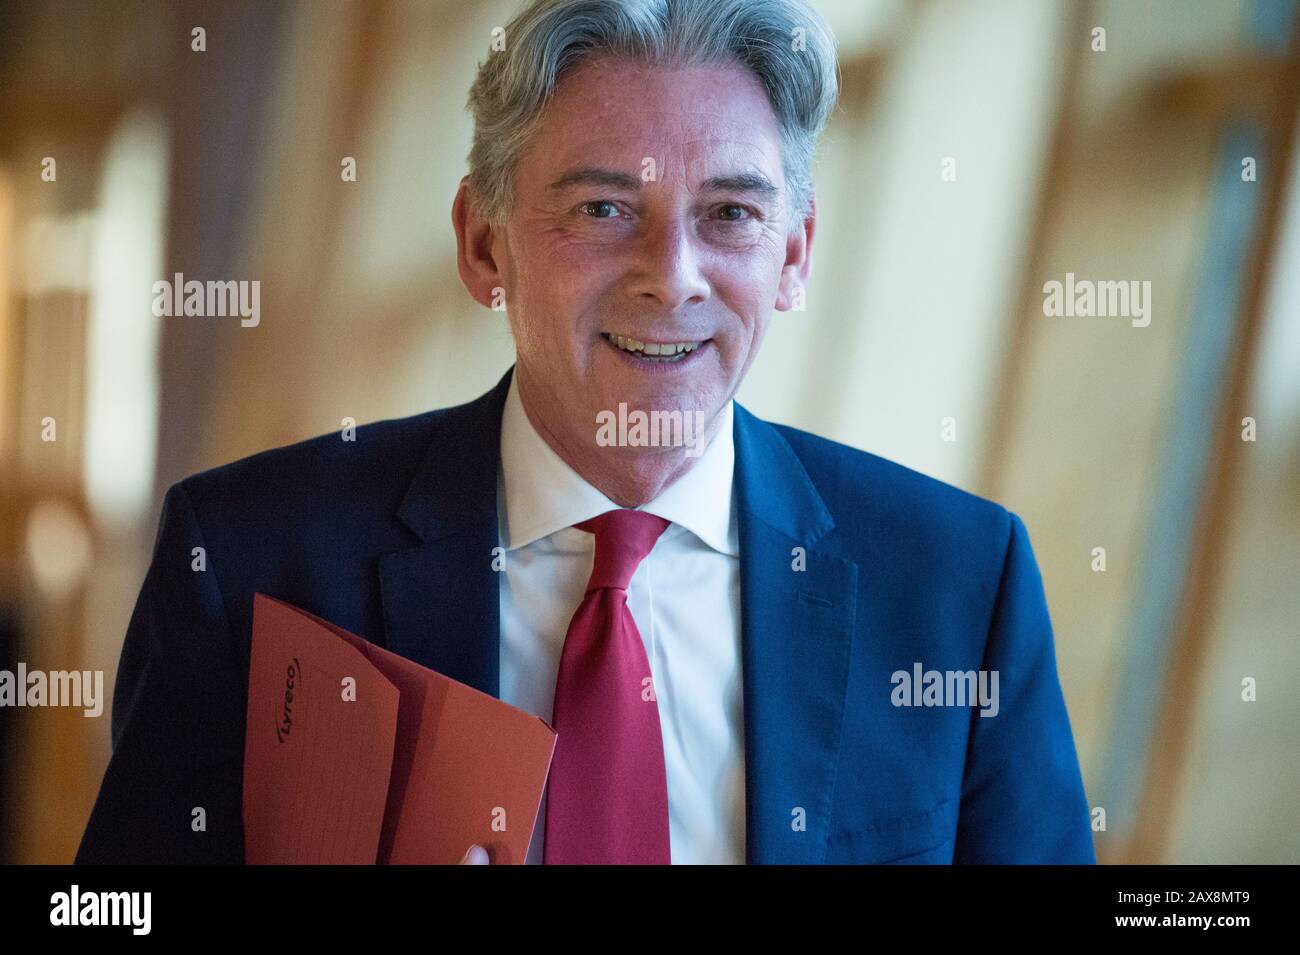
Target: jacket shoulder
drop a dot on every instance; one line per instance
(868, 495)
(318, 490)
(328, 458)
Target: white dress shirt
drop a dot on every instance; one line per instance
(684, 597)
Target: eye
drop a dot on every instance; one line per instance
(731, 212)
(600, 204)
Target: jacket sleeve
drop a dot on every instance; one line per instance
(1022, 797)
(172, 792)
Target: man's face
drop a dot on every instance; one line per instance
(650, 208)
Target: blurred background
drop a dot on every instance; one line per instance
(982, 148)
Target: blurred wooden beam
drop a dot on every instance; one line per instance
(1243, 88)
(1064, 144)
(1190, 641)
(60, 113)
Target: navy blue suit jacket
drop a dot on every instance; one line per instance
(391, 537)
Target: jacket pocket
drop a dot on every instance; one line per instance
(922, 837)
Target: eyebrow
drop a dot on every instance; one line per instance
(750, 182)
(753, 183)
(595, 176)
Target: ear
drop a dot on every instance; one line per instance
(475, 261)
(798, 260)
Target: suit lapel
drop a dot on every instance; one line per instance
(796, 632)
(440, 595)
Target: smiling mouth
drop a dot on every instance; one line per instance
(659, 352)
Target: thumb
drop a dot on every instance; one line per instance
(475, 855)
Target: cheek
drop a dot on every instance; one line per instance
(566, 277)
(550, 306)
(749, 300)
(750, 280)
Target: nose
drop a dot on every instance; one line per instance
(667, 269)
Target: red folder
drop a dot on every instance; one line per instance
(355, 755)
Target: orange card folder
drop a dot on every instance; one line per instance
(355, 755)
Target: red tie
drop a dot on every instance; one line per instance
(607, 795)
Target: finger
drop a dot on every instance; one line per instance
(475, 855)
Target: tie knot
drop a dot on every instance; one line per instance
(623, 539)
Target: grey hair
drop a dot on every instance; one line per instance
(787, 45)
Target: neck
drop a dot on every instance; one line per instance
(630, 477)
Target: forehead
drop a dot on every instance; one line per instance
(608, 111)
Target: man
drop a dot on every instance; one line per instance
(744, 635)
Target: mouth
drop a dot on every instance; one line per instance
(660, 353)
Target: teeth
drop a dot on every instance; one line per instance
(669, 351)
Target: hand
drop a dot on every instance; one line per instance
(475, 855)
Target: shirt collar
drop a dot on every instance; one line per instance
(539, 494)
